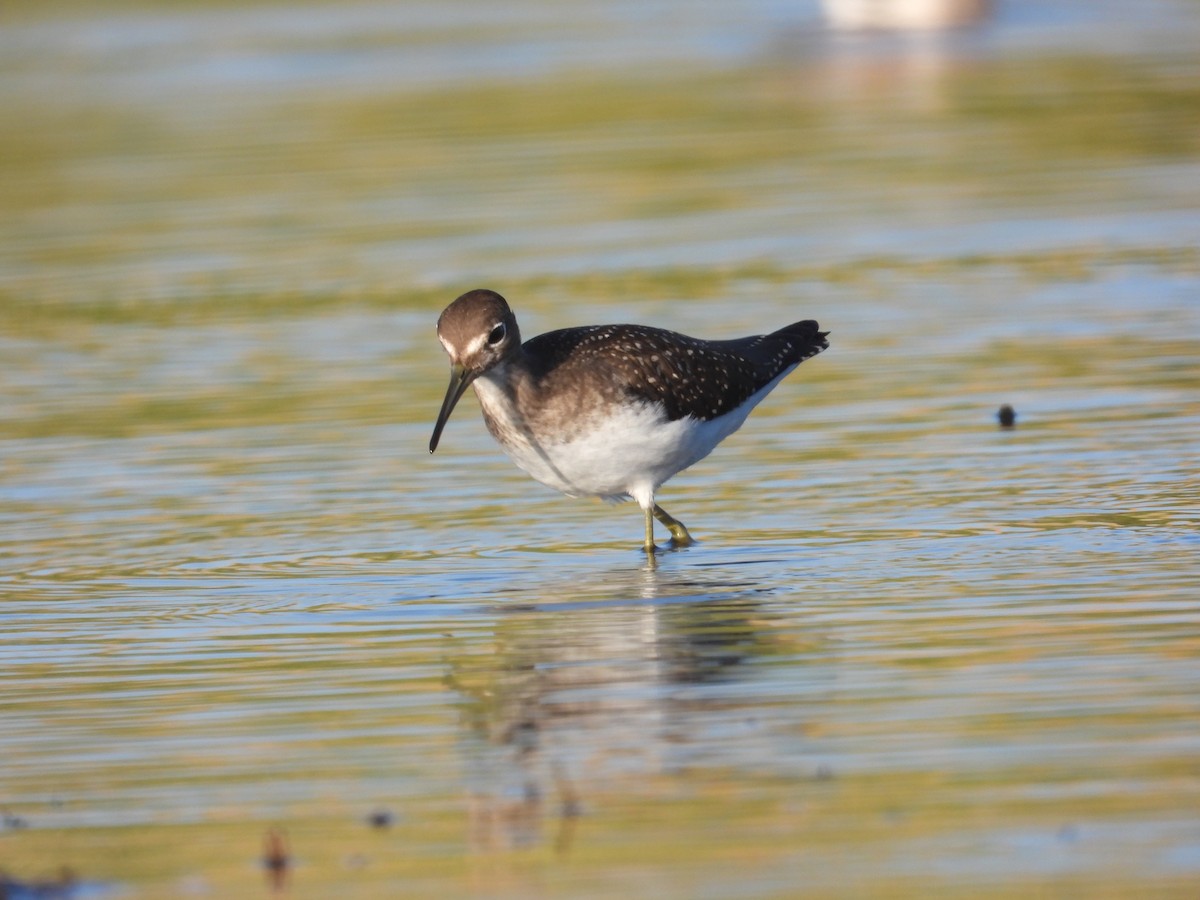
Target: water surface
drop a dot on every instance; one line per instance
(913, 653)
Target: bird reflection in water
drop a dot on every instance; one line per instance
(572, 701)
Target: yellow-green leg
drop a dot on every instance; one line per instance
(679, 534)
(649, 546)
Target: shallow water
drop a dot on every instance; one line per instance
(913, 653)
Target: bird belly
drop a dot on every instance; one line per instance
(618, 453)
(629, 453)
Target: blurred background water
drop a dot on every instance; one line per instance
(914, 654)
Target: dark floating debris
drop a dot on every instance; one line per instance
(276, 858)
(64, 886)
(1007, 416)
(13, 823)
(380, 819)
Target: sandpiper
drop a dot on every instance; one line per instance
(610, 411)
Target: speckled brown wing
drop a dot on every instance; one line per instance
(684, 375)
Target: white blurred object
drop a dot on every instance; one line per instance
(912, 15)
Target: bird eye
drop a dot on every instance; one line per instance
(497, 334)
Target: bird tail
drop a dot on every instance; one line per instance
(806, 337)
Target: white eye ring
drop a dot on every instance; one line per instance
(496, 335)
